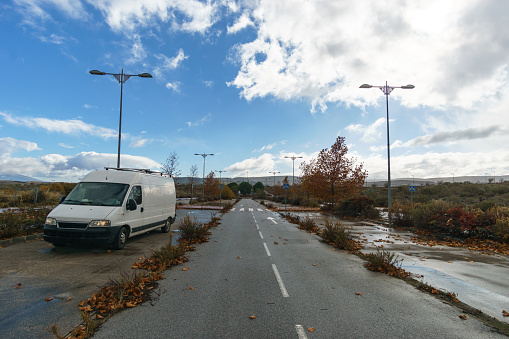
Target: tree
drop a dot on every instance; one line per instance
(227, 193)
(245, 188)
(234, 187)
(170, 167)
(332, 176)
(193, 174)
(258, 186)
(211, 185)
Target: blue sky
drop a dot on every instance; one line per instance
(253, 82)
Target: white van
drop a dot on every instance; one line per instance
(111, 205)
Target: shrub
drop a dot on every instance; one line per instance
(191, 230)
(358, 207)
(20, 222)
(401, 215)
(337, 235)
(385, 262)
(307, 224)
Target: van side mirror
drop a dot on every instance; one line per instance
(131, 205)
(62, 198)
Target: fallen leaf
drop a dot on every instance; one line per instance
(314, 264)
(505, 313)
(185, 269)
(276, 243)
(191, 288)
(98, 316)
(358, 293)
(48, 298)
(18, 285)
(252, 317)
(464, 317)
(239, 257)
(69, 299)
(311, 329)
(285, 243)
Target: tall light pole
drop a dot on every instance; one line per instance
(452, 178)
(293, 172)
(387, 91)
(220, 171)
(121, 77)
(204, 155)
(275, 172)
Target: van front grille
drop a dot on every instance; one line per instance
(74, 225)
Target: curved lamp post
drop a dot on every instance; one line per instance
(121, 77)
(386, 89)
(293, 171)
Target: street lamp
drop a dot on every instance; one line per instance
(121, 77)
(220, 171)
(387, 91)
(293, 172)
(274, 177)
(204, 155)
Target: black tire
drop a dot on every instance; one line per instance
(167, 225)
(59, 245)
(121, 239)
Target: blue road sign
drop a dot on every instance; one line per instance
(411, 188)
(286, 186)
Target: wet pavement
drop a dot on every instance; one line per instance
(479, 280)
(41, 285)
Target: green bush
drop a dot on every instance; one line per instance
(19, 222)
(337, 235)
(191, 229)
(358, 207)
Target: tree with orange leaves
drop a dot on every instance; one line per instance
(332, 176)
(211, 186)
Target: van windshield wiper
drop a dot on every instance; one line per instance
(67, 201)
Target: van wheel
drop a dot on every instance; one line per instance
(58, 245)
(120, 240)
(166, 227)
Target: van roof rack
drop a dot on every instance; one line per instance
(142, 170)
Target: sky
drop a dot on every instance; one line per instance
(251, 82)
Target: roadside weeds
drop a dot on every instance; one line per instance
(336, 235)
(134, 288)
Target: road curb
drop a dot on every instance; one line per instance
(18, 240)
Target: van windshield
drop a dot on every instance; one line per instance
(97, 194)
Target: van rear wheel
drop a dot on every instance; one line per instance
(121, 238)
(167, 225)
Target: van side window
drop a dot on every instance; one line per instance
(136, 194)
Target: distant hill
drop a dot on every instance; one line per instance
(16, 177)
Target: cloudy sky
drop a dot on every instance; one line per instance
(252, 82)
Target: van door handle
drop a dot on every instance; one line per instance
(141, 210)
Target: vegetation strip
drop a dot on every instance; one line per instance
(337, 235)
(134, 288)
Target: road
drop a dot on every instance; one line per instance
(261, 277)
(61, 273)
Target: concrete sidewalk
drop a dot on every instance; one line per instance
(479, 280)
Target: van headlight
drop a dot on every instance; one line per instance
(51, 222)
(99, 223)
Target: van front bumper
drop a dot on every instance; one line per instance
(89, 235)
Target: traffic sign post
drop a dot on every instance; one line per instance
(411, 188)
(286, 187)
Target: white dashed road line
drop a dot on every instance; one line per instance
(282, 287)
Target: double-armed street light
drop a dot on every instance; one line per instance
(386, 89)
(121, 77)
(274, 172)
(204, 155)
(220, 171)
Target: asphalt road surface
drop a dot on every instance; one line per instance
(261, 277)
(66, 275)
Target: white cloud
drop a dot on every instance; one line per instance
(70, 127)
(72, 167)
(169, 64)
(64, 145)
(174, 86)
(199, 122)
(53, 39)
(209, 83)
(10, 145)
(187, 15)
(259, 166)
(371, 132)
(138, 143)
(87, 106)
(324, 50)
(242, 22)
